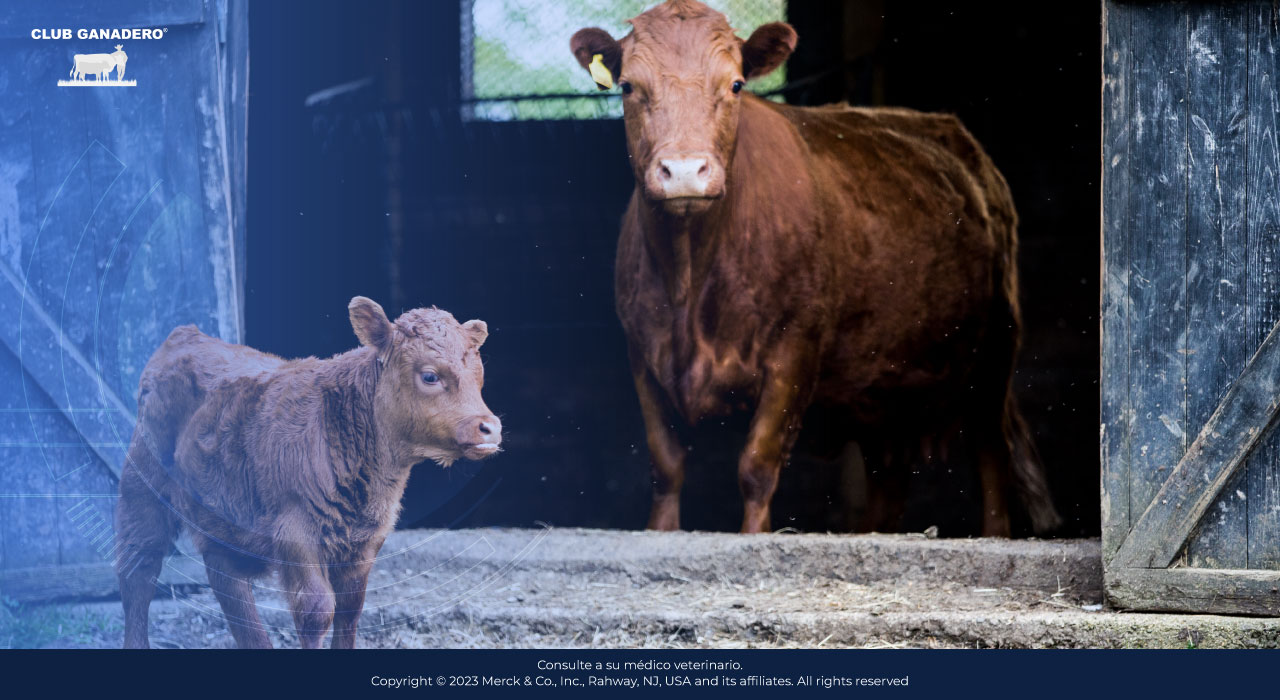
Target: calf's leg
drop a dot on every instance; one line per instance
(312, 602)
(349, 584)
(307, 580)
(235, 597)
(145, 530)
(666, 454)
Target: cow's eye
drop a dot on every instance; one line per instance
(430, 377)
(737, 86)
(626, 87)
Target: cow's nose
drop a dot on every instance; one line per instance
(684, 177)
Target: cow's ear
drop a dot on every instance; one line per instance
(477, 331)
(587, 43)
(370, 323)
(769, 46)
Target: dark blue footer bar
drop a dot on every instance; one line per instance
(1083, 675)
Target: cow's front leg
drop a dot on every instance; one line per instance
(773, 432)
(666, 454)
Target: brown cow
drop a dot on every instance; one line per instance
(296, 466)
(775, 259)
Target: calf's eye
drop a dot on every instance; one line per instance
(430, 378)
(626, 87)
(737, 86)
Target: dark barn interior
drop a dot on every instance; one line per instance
(381, 188)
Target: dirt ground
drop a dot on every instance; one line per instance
(583, 588)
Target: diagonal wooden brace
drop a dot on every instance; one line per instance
(75, 374)
(1233, 431)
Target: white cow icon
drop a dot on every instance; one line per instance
(99, 65)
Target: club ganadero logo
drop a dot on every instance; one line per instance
(96, 69)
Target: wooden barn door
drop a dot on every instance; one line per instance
(121, 216)
(1190, 305)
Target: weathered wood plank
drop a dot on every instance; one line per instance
(61, 370)
(234, 56)
(1216, 346)
(1235, 428)
(27, 521)
(77, 582)
(1219, 591)
(1157, 246)
(1263, 284)
(86, 532)
(213, 153)
(1116, 411)
(118, 225)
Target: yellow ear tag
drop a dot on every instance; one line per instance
(599, 73)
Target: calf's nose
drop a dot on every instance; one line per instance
(689, 176)
(491, 428)
(481, 430)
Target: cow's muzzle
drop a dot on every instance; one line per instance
(685, 176)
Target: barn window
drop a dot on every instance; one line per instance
(516, 63)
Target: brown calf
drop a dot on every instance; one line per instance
(296, 466)
(774, 260)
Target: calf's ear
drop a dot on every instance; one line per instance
(586, 43)
(370, 323)
(769, 46)
(477, 330)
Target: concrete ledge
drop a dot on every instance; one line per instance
(942, 628)
(703, 556)
(587, 588)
